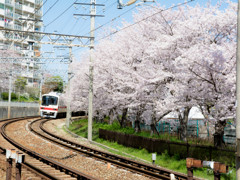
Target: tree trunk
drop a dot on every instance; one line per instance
(111, 116)
(153, 125)
(219, 133)
(154, 129)
(183, 124)
(101, 118)
(124, 117)
(96, 118)
(137, 121)
(137, 126)
(122, 121)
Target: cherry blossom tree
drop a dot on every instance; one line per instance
(172, 60)
(6, 65)
(208, 62)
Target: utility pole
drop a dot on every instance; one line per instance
(90, 96)
(238, 97)
(40, 92)
(68, 118)
(9, 95)
(92, 28)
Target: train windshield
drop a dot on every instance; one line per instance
(49, 100)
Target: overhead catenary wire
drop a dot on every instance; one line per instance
(35, 11)
(112, 20)
(61, 14)
(162, 10)
(50, 8)
(76, 22)
(108, 7)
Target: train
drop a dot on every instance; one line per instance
(52, 105)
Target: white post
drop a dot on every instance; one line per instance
(154, 157)
(90, 105)
(68, 118)
(9, 95)
(238, 97)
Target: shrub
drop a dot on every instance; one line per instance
(5, 96)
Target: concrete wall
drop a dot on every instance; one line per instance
(20, 111)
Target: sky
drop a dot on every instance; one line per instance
(58, 17)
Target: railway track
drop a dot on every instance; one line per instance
(125, 163)
(38, 166)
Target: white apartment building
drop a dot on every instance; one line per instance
(21, 15)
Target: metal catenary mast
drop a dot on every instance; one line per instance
(92, 15)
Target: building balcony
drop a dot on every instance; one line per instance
(38, 24)
(17, 16)
(28, 9)
(9, 14)
(31, 1)
(38, 2)
(37, 45)
(2, 24)
(9, 2)
(8, 36)
(2, 12)
(17, 27)
(8, 25)
(39, 13)
(17, 48)
(18, 6)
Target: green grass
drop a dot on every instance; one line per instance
(164, 160)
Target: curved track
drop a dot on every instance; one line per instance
(138, 167)
(43, 167)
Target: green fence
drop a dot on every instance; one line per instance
(196, 128)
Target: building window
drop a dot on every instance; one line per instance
(1, 6)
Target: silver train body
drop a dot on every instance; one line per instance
(52, 105)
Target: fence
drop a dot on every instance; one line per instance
(184, 150)
(196, 128)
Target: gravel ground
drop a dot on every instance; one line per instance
(19, 132)
(2, 167)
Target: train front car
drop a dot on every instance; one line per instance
(49, 106)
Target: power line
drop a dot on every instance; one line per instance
(61, 14)
(115, 18)
(34, 12)
(50, 7)
(83, 27)
(77, 20)
(178, 5)
(146, 19)
(108, 6)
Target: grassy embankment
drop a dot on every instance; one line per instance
(164, 160)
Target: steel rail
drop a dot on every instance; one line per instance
(72, 172)
(35, 170)
(26, 165)
(143, 168)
